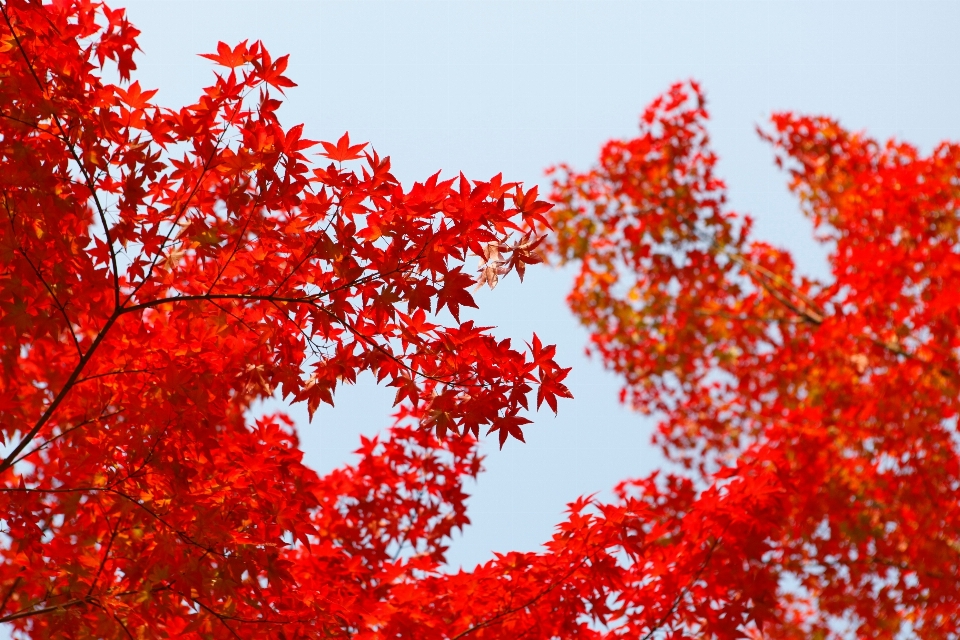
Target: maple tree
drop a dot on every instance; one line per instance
(830, 404)
(163, 270)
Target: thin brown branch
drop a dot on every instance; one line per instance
(29, 613)
(106, 554)
(13, 587)
(529, 603)
(115, 372)
(59, 398)
(79, 425)
(77, 602)
(683, 592)
(217, 616)
(56, 301)
(186, 203)
(107, 489)
(36, 271)
(35, 126)
(763, 277)
(123, 626)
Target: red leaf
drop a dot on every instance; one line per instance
(343, 151)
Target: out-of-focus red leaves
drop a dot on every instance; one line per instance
(838, 399)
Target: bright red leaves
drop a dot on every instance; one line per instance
(162, 270)
(835, 401)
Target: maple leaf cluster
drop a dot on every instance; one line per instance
(163, 269)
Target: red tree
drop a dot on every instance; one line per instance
(162, 270)
(833, 402)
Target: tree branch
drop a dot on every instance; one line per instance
(529, 603)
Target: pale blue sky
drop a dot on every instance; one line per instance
(486, 86)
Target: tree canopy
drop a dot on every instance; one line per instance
(836, 401)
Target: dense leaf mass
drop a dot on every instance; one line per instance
(163, 269)
(839, 397)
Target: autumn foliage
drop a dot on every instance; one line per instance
(162, 270)
(834, 403)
